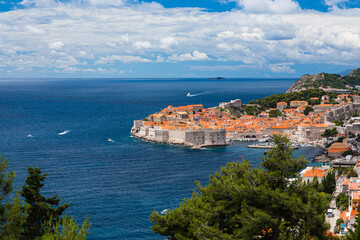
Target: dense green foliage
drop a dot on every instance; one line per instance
(307, 110)
(271, 101)
(338, 123)
(6, 180)
(241, 202)
(252, 110)
(30, 215)
(274, 113)
(338, 225)
(329, 183)
(330, 133)
(66, 229)
(335, 80)
(350, 152)
(314, 102)
(351, 135)
(342, 201)
(349, 172)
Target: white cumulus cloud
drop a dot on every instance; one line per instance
(267, 34)
(279, 68)
(56, 45)
(167, 42)
(194, 56)
(142, 44)
(124, 59)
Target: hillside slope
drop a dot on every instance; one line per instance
(326, 79)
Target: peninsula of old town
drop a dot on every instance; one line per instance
(312, 105)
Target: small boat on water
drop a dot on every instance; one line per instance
(270, 145)
(163, 212)
(64, 132)
(199, 147)
(188, 95)
(110, 140)
(29, 136)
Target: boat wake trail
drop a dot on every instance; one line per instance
(198, 94)
(64, 132)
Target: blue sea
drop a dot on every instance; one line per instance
(117, 184)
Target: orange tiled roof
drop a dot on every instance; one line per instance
(339, 147)
(315, 172)
(346, 182)
(353, 214)
(355, 195)
(354, 186)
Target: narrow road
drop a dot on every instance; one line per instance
(332, 220)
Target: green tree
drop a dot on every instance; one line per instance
(252, 110)
(351, 173)
(6, 180)
(41, 209)
(20, 218)
(329, 183)
(342, 201)
(338, 123)
(274, 113)
(10, 214)
(330, 133)
(349, 152)
(307, 110)
(351, 135)
(66, 229)
(241, 202)
(15, 216)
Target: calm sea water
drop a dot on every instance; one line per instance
(118, 184)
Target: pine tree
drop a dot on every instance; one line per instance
(6, 179)
(329, 183)
(41, 209)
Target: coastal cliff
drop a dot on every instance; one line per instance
(327, 80)
(306, 80)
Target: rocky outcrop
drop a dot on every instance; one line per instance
(306, 79)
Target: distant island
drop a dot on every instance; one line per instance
(218, 78)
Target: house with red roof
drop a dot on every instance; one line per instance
(309, 173)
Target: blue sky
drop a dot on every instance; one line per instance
(178, 38)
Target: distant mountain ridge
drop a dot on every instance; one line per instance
(325, 79)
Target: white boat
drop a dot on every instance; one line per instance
(110, 140)
(64, 132)
(188, 95)
(163, 212)
(30, 136)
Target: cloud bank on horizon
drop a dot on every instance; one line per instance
(120, 38)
